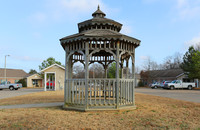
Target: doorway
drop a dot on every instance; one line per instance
(50, 84)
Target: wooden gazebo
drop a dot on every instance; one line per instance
(99, 41)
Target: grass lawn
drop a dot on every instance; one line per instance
(152, 113)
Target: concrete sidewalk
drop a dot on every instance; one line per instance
(32, 105)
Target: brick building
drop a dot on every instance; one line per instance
(12, 75)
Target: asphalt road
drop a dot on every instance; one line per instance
(6, 93)
(186, 95)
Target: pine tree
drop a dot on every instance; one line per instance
(191, 63)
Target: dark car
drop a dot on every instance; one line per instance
(163, 83)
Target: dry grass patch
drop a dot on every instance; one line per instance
(152, 113)
(40, 97)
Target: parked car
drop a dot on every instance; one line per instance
(6, 85)
(179, 84)
(163, 83)
(155, 85)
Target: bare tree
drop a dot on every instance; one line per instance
(177, 59)
(167, 63)
(172, 62)
(137, 69)
(149, 64)
(78, 71)
(96, 71)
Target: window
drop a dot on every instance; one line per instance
(178, 82)
(35, 82)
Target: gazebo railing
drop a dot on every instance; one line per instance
(101, 92)
(126, 92)
(75, 91)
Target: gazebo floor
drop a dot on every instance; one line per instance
(99, 105)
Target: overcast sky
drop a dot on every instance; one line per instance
(30, 30)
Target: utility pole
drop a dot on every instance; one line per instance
(5, 69)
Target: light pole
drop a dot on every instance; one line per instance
(5, 68)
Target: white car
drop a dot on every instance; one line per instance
(179, 84)
(155, 85)
(5, 85)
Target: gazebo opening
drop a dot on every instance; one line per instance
(102, 50)
(96, 70)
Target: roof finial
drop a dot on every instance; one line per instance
(98, 13)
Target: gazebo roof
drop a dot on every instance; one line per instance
(98, 12)
(87, 31)
(99, 34)
(99, 21)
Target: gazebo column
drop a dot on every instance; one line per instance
(122, 63)
(86, 73)
(133, 77)
(127, 59)
(69, 84)
(117, 76)
(106, 67)
(106, 71)
(66, 88)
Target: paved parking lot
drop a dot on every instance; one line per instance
(186, 95)
(6, 93)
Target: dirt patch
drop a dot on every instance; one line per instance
(152, 113)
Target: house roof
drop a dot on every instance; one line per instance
(52, 66)
(29, 75)
(13, 73)
(166, 73)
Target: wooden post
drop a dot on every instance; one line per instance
(106, 67)
(122, 63)
(127, 68)
(117, 76)
(86, 73)
(66, 91)
(69, 84)
(133, 77)
(45, 82)
(106, 71)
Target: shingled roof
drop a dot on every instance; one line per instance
(166, 73)
(13, 73)
(99, 28)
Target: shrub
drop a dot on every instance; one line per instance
(140, 84)
(23, 82)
